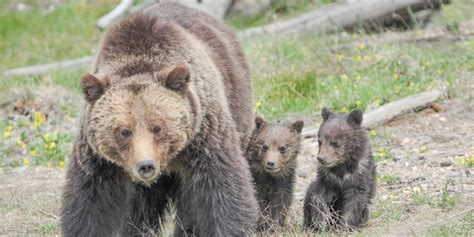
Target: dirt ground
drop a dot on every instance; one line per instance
(423, 188)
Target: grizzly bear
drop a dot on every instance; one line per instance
(168, 113)
(272, 156)
(345, 184)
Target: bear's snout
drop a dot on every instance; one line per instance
(146, 168)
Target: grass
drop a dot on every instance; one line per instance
(387, 179)
(462, 227)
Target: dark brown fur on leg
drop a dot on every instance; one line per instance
(346, 174)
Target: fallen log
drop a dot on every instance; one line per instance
(340, 15)
(390, 111)
(46, 68)
(118, 11)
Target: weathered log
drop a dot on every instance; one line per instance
(391, 110)
(340, 15)
(46, 68)
(118, 11)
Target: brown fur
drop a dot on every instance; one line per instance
(169, 85)
(272, 157)
(346, 175)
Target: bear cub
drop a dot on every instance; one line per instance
(272, 156)
(345, 183)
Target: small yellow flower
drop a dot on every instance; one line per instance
(440, 72)
(6, 135)
(26, 162)
(339, 57)
(258, 105)
(46, 137)
(396, 76)
(37, 116)
(52, 146)
(361, 46)
(9, 128)
(411, 84)
(33, 152)
(359, 58)
(358, 78)
(344, 109)
(358, 103)
(21, 144)
(46, 146)
(373, 133)
(423, 149)
(397, 90)
(61, 164)
(344, 77)
(49, 164)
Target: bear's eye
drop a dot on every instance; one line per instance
(334, 144)
(156, 130)
(126, 133)
(282, 149)
(265, 147)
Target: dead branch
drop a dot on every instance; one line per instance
(45, 68)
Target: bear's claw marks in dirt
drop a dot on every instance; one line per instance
(169, 110)
(346, 174)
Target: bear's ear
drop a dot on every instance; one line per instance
(326, 113)
(355, 118)
(297, 126)
(92, 87)
(260, 123)
(178, 77)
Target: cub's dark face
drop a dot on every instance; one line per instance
(274, 147)
(339, 137)
(140, 124)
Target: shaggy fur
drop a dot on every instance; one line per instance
(272, 157)
(169, 86)
(346, 175)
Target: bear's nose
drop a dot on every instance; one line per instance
(321, 158)
(270, 164)
(146, 168)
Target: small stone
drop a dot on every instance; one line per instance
(445, 163)
(442, 119)
(414, 168)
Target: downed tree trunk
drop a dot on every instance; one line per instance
(45, 68)
(340, 15)
(391, 110)
(106, 20)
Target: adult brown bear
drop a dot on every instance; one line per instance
(168, 110)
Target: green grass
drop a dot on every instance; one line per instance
(462, 227)
(387, 179)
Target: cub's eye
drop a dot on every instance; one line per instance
(156, 130)
(125, 133)
(265, 147)
(334, 144)
(282, 149)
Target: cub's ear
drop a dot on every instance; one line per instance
(297, 126)
(260, 123)
(92, 87)
(355, 118)
(178, 77)
(326, 113)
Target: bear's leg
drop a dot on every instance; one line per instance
(217, 191)
(355, 208)
(95, 203)
(318, 214)
(149, 206)
(279, 204)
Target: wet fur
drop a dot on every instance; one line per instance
(274, 190)
(208, 178)
(341, 194)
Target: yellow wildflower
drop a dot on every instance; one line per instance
(396, 76)
(6, 135)
(33, 152)
(339, 57)
(49, 164)
(46, 137)
(344, 77)
(46, 146)
(411, 84)
(52, 145)
(258, 105)
(37, 116)
(26, 162)
(358, 103)
(61, 164)
(373, 133)
(21, 144)
(344, 109)
(358, 58)
(9, 128)
(358, 78)
(361, 46)
(423, 149)
(397, 90)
